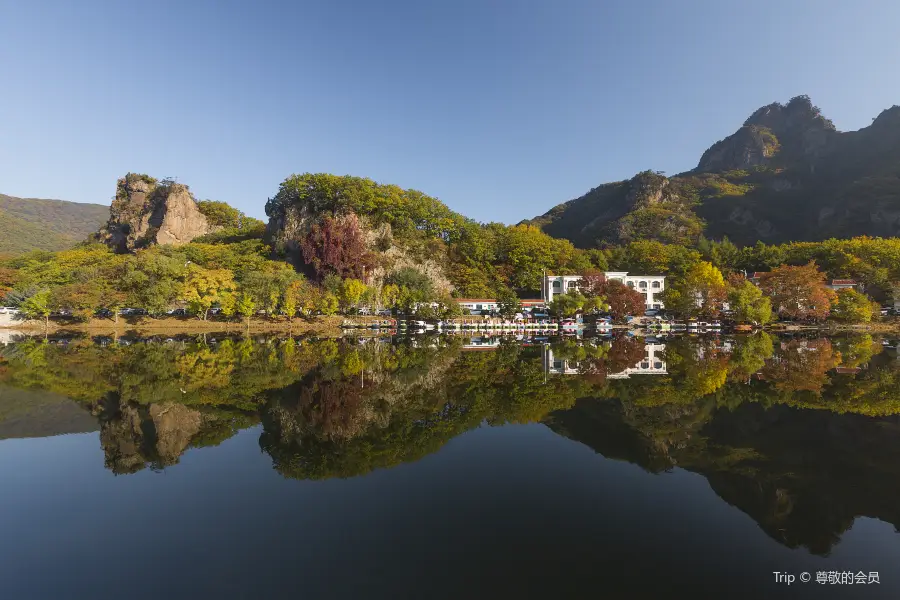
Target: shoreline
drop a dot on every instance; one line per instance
(322, 326)
(334, 326)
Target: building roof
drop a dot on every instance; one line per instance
(482, 300)
(843, 282)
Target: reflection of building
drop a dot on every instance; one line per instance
(651, 286)
(485, 343)
(653, 363)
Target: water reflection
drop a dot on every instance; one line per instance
(800, 433)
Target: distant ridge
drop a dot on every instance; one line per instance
(785, 175)
(41, 224)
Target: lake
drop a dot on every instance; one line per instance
(443, 467)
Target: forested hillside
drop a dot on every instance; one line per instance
(39, 224)
(786, 175)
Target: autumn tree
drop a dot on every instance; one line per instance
(798, 292)
(802, 365)
(80, 299)
(245, 306)
(747, 302)
(8, 278)
(202, 288)
(351, 293)
(389, 295)
(623, 301)
(700, 292)
(851, 306)
(327, 304)
(336, 245)
(293, 297)
(592, 282)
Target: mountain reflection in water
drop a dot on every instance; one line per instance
(802, 434)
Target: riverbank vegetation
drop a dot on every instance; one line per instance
(341, 244)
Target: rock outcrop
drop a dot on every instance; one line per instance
(146, 212)
(290, 221)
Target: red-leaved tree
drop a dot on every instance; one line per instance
(336, 245)
(798, 292)
(623, 300)
(592, 282)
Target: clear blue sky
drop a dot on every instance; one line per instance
(501, 109)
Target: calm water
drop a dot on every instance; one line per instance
(448, 468)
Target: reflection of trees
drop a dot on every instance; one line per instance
(340, 408)
(802, 365)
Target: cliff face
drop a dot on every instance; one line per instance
(146, 212)
(785, 175)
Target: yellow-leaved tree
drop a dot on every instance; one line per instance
(204, 287)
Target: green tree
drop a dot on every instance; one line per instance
(328, 304)
(747, 302)
(853, 307)
(37, 306)
(508, 303)
(245, 306)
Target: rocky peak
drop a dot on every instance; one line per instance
(889, 118)
(146, 212)
(786, 133)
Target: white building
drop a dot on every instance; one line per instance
(476, 305)
(651, 286)
(653, 363)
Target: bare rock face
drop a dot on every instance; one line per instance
(146, 212)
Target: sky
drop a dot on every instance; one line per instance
(502, 109)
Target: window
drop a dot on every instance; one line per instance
(478, 307)
(655, 285)
(643, 285)
(645, 365)
(557, 285)
(557, 364)
(656, 306)
(631, 284)
(571, 285)
(657, 365)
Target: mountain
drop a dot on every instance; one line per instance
(38, 224)
(786, 175)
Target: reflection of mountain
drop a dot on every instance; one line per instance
(803, 475)
(25, 413)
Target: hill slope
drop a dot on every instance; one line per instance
(38, 224)
(786, 174)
